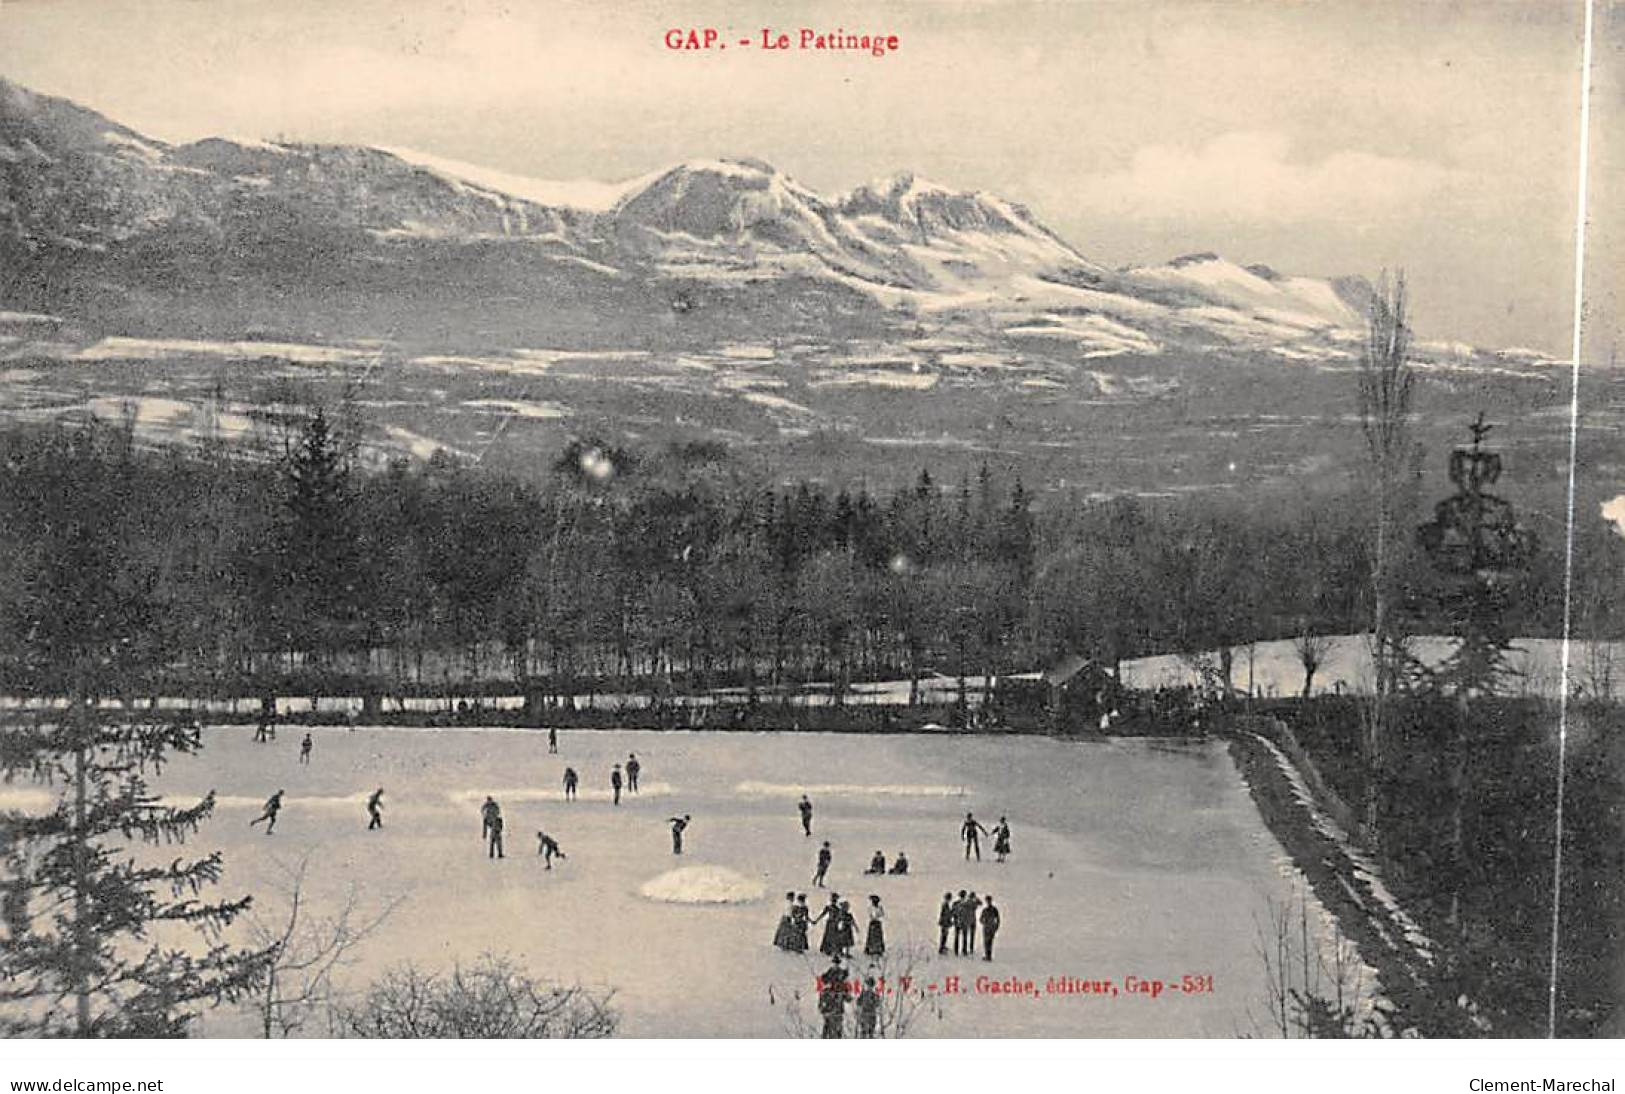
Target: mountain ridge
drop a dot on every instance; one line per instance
(108, 216)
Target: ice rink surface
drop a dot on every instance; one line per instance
(1132, 858)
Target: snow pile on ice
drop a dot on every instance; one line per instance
(702, 885)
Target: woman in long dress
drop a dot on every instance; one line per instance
(848, 936)
(784, 937)
(830, 945)
(800, 921)
(1001, 839)
(875, 944)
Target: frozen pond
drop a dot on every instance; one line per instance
(1133, 858)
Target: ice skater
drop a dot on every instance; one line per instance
(868, 1004)
(784, 937)
(800, 923)
(848, 930)
(972, 832)
(1001, 839)
(877, 865)
(375, 809)
(805, 806)
(548, 847)
(959, 923)
(825, 856)
(972, 903)
(490, 811)
(493, 848)
(832, 999)
(615, 783)
(830, 916)
(632, 769)
(874, 943)
(304, 749)
(273, 806)
(899, 865)
(990, 927)
(678, 826)
(553, 741)
(570, 781)
(946, 920)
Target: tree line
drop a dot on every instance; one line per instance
(657, 572)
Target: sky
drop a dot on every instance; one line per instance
(1340, 137)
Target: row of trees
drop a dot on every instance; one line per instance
(664, 571)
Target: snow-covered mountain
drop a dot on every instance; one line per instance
(96, 218)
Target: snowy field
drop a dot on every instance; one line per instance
(1275, 669)
(1132, 858)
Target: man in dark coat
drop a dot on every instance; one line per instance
(990, 927)
(494, 834)
(832, 999)
(968, 911)
(805, 805)
(946, 918)
(632, 769)
(615, 783)
(375, 809)
(972, 832)
(824, 858)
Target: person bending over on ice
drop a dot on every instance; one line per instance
(570, 781)
(615, 783)
(900, 865)
(806, 815)
(972, 832)
(824, 857)
(494, 834)
(632, 769)
(678, 824)
(375, 809)
(548, 847)
(273, 806)
(877, 865)
(304, 750)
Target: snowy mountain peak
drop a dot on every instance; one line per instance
(911, 201)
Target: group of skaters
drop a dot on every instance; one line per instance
(490, 812)
(840, 933)
(273, 809)
(960, 917)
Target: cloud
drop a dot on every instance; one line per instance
(1252, 177)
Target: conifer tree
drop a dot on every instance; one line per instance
(88, 948)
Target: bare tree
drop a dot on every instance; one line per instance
(1311, 650)
(492, 998)
(1313, 986)
(905, 998)
(1386, 380)
(304, 953)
